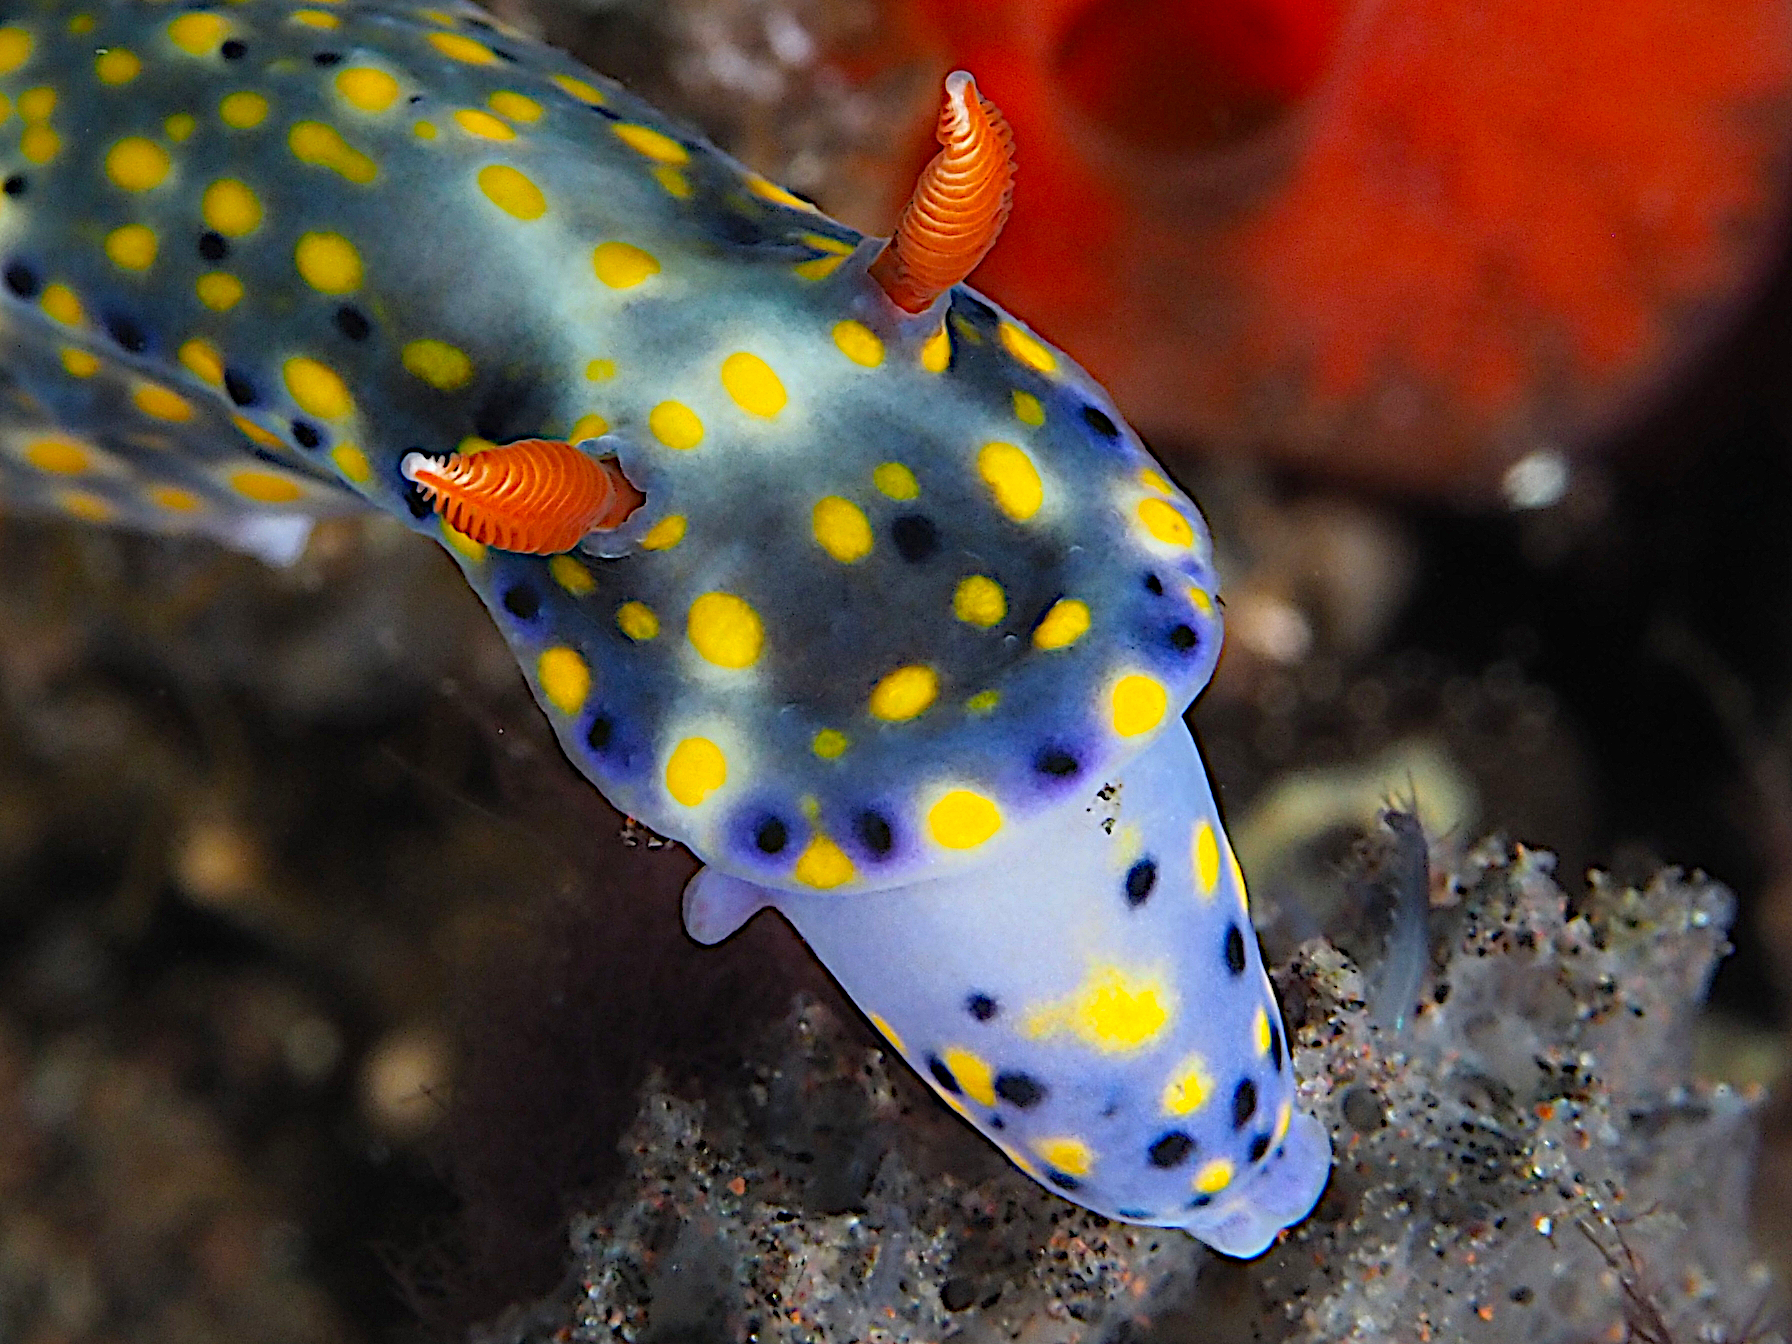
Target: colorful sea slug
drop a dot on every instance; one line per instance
(817, 562)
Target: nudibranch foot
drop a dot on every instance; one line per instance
(534, 497)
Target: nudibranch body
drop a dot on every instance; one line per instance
(897, 632)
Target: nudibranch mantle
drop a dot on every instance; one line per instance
(905, 593)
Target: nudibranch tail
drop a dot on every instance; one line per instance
(535, 496)
(959, 204)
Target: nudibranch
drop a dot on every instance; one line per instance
(816, 561)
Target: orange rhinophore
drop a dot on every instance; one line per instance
(959, 203)
(535, 496)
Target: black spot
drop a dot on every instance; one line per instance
(503, 55)
(874, 833)
(307, 435)
(916, 537)
(1200, 1201)
(1171, 1149)
(1259, 1146)
(522, 601)
(1020, 1089)
(739, 229)
(1063, 1180)
(481, 24)
(1141, 878)
(238, 388)
(327, 58)
(996, 1122)
(600, 732)
(233, 50)
(416, 501)
(943, 1076)
(1097, 420)
(353, 323)
(981, 1007)
(14, 185)
(1183, 638)
(1056, 763)
(772, 836)
(1244, 1103)
(1234, 950)
(1154, 585)
(1275, 1042)
(607, 113)
(212, 246)
(21, 280)
(128, 334)
(1139, 1214)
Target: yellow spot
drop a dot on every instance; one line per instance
(82, 24)
(352, 463)
(424, 131)
(317, 388)
(904, 693)
(565, 679)
(654, 144)
(219, 290)
(1064, 624)
(1260, 1032)
(88, 508)
(1244, 896)
(725, 630)
(753, 385)
(463, 48)
(314, 143)
(255, 433)
(59, 302)
(1027, 409)
(888, 1032)
(40, 144)
(511, 192)
(203, 359)
(243, 110)
(162, 404)
(771, 191)
(823, 865)
(859, 343)
(841, 529)
(131, 246)
(231, 208)
(1153, 480)
(895, 480)
(675, 425)
(983, 702)
(1165, 523)
(37, 104)
(473, 550)
(963, 820)
(980, 601)
(973, 1073)
(1027, 349)
(1139, 704)
(818, 268)
(175, 500)
(439, 364)
(1012, 480)
(591, 426)
(367, 89)
(79, 363)
(1201, 602)
(579, 89)
(696, 770)
(329, 262)
(1284, 1115)
(1189, 1087)
(1204, 855)
(623, 265)
(601, 370)
(482, 124)
(316, 18)
(936, 352)
(830, 744)
(1073, 1157)
(179, 126)
(514, 105)
(116, 66)
(572, 576)
(137, 164)
(15, 48)
(1214, 1177)
(665, 534)
(197, 33)
(265, 487)
(637, 621)
(673, 182)
(1110, 1010)
(61, 456)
